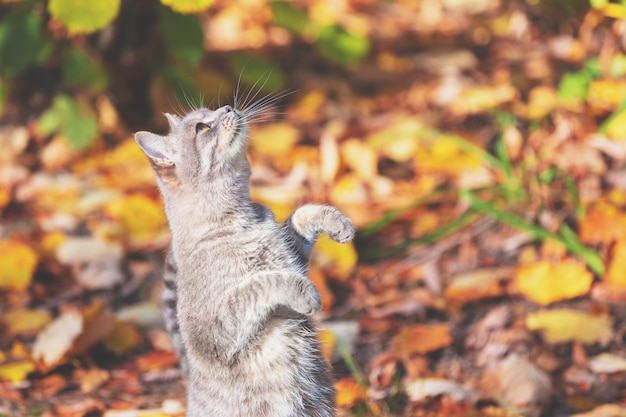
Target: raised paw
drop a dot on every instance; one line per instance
(307, 299)
(338, 227)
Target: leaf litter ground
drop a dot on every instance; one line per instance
(479, 149)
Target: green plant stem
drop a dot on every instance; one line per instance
(356, 373)
(567, 237)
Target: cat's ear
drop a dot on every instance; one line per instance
(154, 147)
(172, 119)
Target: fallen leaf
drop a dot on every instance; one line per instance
(604, 410)
(91, 379)
(361, 158)
(122, 338)
(318, 277)
(541, 101)
(420, 339)
(566, 325)
(17, 265)
(476, 285)
(340, 257)
(349, 393)
(98, 323)
(616, 127)
(96, 263)
(327, 343)
(157, 360)
(275, 140)
(139, 216)
(607, 363)
(523, 388)
(25, 321)
(545, 282)
(481, 98)
(616, 274)
(421, 389)
(603, 223)
(16, 371)
(606, 95)
(349, 189)
(57, 338)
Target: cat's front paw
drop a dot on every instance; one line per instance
(308, 299)
(338, 227)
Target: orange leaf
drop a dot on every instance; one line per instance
(328, 340)
(157, 360)
(420, 339)
(475, 285)
(17, 264)
(545, 282)
(616, 274)
(349, 393)
(603, 223)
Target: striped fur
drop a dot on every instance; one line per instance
(237, 298)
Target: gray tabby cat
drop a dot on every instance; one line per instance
(236, 279)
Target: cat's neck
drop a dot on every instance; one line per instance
(195, 211)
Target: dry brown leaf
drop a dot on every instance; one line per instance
(122, 338)
(545, 282)
(482, 98)
(420, 339)
(91, 379)
(421, 389)
(157, 360)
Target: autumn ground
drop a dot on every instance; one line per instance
(478, 146)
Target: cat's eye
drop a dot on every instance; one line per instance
(202, 127)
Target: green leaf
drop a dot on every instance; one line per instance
(598, 4)
(188, 6)
(592, 67)
(80, 70)
(289, 17)
(618, 66)
(84, 16)
(258, 72)
(574, 85)
(20, 40)
(339, 45)
(67, 118)
(183, 36)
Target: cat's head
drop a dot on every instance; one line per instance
(204, 144)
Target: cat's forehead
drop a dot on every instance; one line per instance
(198, 115)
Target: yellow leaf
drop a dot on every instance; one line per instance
(616, 129)
(25, 321)
(616, 274)
(84, 16)
(400, 140)
(138, 215)
(545, 282)
(327, 341)
(341, 256)
(309, 107)
(275, 140)
(420, 339)
(566, 325)
(361, 158)
(16, 371)
(606, 95)
(481, 98)
(188, 6)
(541, 101)
(349, 189)
(349, 393)
(123, 337)
(17, 265)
